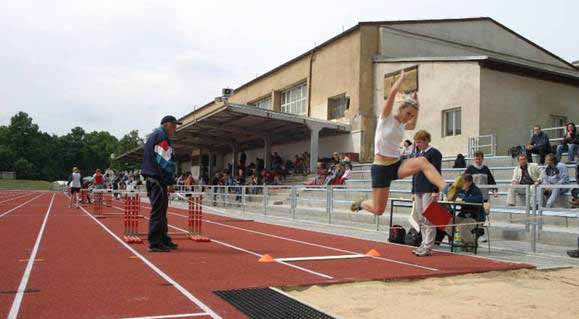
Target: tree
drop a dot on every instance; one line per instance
(24, 169)
(7, 158)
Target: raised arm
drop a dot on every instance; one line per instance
(389, 104)
(412, 123)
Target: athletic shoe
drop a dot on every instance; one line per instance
(573, 253)
(424, 252)
(451, 190)
(357, 205)
(159, 249)
(171, 245)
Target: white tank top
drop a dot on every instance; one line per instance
(389, 135)
(76, 180)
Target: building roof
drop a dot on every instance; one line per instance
(385, 23)
(244, 125)
(496, 63)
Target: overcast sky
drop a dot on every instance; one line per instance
(120, 65)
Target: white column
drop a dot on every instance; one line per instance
(314, 146)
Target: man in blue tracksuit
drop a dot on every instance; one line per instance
(159, 170)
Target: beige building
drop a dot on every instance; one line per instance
(475, 77)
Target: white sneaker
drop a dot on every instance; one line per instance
(424, 252)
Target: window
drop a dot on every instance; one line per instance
(337, 106)
(264, 103)
(294, 100)
(451, 122)
(409, 85)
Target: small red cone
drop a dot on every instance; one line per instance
(266, 259)
(373, 253)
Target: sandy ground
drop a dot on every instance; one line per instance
(512, 294)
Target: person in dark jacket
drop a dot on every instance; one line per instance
(570, 143)
(469, 193)
(539, 144)
(423, 191)
(159, 170)
(459, 162)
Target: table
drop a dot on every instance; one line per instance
(454, 207)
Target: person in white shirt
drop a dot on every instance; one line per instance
(75, 184)
(387, 163)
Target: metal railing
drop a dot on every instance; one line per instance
(559, 131)
(477, 143)
(330, 204)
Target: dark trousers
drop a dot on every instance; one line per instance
(158, 227)
(542, 151)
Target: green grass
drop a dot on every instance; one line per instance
(24, 184)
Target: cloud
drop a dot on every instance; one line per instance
(122, 65)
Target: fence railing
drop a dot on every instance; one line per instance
(484, 143)
(330, 204)
(559, 132)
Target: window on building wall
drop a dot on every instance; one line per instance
(451, 122)
(294, 100)
(264, 103)
(409, 85)
(337, 106)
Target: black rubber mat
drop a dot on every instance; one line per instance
(258, 303)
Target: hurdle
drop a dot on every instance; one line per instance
(97, 205)
(132, 214)
(83, 196)
(132, 203)
(108, 199)
(195, 218)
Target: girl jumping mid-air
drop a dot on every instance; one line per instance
(387, 165)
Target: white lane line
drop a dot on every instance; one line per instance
(13, 198)
(313, 244)
(310, 258)
(251, 252)
(183, 315)
(163, 275)
(15, 208)
(22, 287)
(260, 255)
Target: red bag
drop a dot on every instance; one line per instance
(437, 215)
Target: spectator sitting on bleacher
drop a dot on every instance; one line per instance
(320, 176)
(408, 150)
(482, 175)
(345, 175)
(570, 143)
(539, 144)
(524, 174)
(469, 193)
(459, 162)
(554, 174)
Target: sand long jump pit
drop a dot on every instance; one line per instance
(502, 294)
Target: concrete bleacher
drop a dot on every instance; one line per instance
(502, 169)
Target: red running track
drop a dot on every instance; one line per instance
(83, 271)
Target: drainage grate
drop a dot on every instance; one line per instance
(267, 303)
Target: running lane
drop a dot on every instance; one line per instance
(86, 273)
(18, 230)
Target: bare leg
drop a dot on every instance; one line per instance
(415, 165)
(377, 205)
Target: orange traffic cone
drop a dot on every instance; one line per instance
(373, 253)
(266, 259)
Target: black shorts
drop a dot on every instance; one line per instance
(74, 190)
(383, 175)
